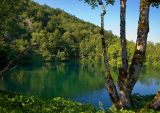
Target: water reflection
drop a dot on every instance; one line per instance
(80, 82)
(50, 80)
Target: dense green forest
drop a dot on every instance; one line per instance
(61, 36)
(33, 32)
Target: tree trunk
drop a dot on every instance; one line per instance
(155, 103)
(123, 34)
(127, 77)
(109, 83)
(125, 100)
(140, 49)
(12, 62)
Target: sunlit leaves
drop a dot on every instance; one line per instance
(94, 3)
(15, 103)
(155, 3)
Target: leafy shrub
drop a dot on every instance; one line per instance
(15, 103)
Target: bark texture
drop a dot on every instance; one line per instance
(140, 49)
(109, 83)
(155, 103)
(123, 34)
(127, 77)
(125, 100)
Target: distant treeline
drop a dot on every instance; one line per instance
(60, 36)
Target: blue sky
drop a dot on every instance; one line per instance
(112, 18)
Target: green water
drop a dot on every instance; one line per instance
(50, 80)
(73, 80)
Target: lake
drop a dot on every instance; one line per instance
(80, 82)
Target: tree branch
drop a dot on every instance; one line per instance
(123, 35)
(19, 56)
(109, 83)
(140, 49)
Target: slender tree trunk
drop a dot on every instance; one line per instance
(123, 34)
(140, 49)
(155, 103)
(109, 83)
(125, 100)
(127, 77)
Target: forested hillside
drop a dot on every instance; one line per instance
(60, 36)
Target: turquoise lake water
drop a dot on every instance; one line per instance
(73, 80)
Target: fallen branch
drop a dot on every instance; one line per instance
(18, 57)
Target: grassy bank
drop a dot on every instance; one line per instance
(16, 103)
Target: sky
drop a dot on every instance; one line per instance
(112, 18)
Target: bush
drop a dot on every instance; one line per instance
(15, 103)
